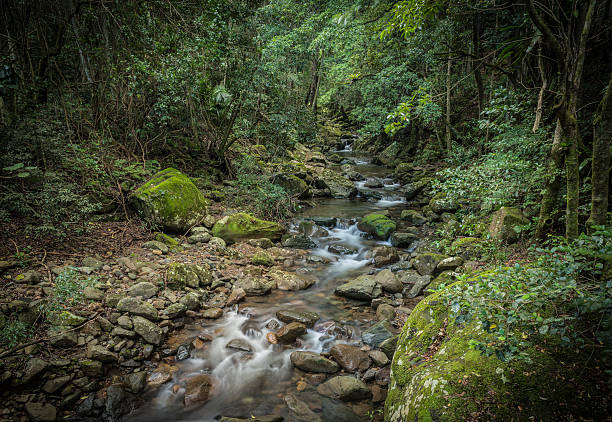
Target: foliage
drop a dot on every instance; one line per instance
(559, 299)
(67, 291)
(13, 332)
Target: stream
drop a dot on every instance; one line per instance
(257, 382)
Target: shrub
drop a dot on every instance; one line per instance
(67, 291)
(13, 332)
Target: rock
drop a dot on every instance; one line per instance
(167, 240)
(242, 226)
(329, 222)
(418, 286)
(183, 352)
(262, 258)
(144, 289)
(337, 185)
(378, 333)
(266, 418)
(122, 332)
(155, 245)
(92, 262)
(388, 346)
(503, 223)
(101, 354)
(170, 200)
(263, 243)
(162, 375)
(445, 278)
(176, 310)
(292, 184)
(212, 313)
(54, 384)
(426, 263)
(135, 382)
(345, 388)
(313, 362)
(29, 277)
(301, 409)
(217, 243)
(116, 402)
(379, 358)
(199, 238)
(255, 286)
(199, 389)
(65, 318)
(362, 288)
(39, 412)
(449, 263)
(91, 368)
(385, 312)
(351, 358)
(305, 317)
(384, 255)
(136, 306)
(91, 293)
(298, 241)
(290, 332)
(388, 281)
(374, 183)
(150, 332)
(33, 368)
(240, 345)
(413, 217)
(290, 281)
(189, 275)
(403, 240)
(237, 295)
(191, 301)
(441, 204)
(378, 225)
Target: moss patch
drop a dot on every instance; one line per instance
(242, 226)
(378, 225)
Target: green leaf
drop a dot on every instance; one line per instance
(23, 174)
(13, 167)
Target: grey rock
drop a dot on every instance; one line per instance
(403, 240)
(255, 286)
(379, 358)
(313, 362)
(144, 289)
(156, 245)
(135, 382)
(150, 332)
(305, 317)
(450, 263)
(39, 412)
(376, 334)
(124, 321)
(191, 301)
(34, 367)
(351, 358)
(91, 293)
(299, 241)
(54, 384)
(176, 310)
(362, 288)
(388, 281)
(101, 354)
(240, 345)
(345, 388)
(136, 306)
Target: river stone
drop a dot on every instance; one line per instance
(101, 354)
(305, 317)
(191, 301)
(262, 258)
(156, 245)
(403, 240)
(376, 334)
(91, 293)
(345, 388)
(378, 225)
(290, 281)
(384, 255)
(150, 332)
(217, 243)
(198, 389)
(144, 289)
(362, 288)
(290, 332)
(441, 204)
(449, 263)
(189, 275)
(379, 358)
(122, 332)
(292, 184)
(266, 418)
(351, 358)
(263, 243)
(240, 345)
(385, 312)
(388, 346)
(242, 226)
(255, 286)
(91, 368)
(135, 382)
(235, 296)
(176, 310)
(65, 318)
(54, 384)
(203, 237)
(170, 200)
(374, 183)
(325, 221)
(301, 409)
(388, 281)
(413, 217)
(427, 262)
(116, 402)
(136, 306)
(418, 287)
(33, 368)
(313, 362)
(298, 241)
(212, 313)
(39, 412)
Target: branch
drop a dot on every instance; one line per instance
(547, 33)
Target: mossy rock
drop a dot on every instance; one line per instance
(437, 376)
(168, 240)
(504, 222)
(389, 156)
(378, 225)
(292, 184)
(262, 258)
(181, 275)
(170, 200)
(241, 226)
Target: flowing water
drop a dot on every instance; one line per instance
(255, 382)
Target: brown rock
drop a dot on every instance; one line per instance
(351, 358)
(198, 389)
(290, 332)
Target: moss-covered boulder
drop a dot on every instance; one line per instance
(292, 184)
(390, 155)
(437, 376)
(241, 226)
(504, 222)
(181, 275)
(170, 200)
(440, 203)
(379, 226)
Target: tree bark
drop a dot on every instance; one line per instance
(449, 145)
(476, 30)
(538, 118)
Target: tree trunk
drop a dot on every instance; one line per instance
(602, 134)
(449, 145)
(538, 117)
(476, 30)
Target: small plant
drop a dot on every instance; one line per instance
(13, 332)
(67, 291)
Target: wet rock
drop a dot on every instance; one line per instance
(267, 418)
(176, 310)
(101, 354)
(212, 313)
(299, 241)
(290, 332)
(325, 221)
(388, 346)
(305, 317)
(418, 287)
(33, 368)
(362, 288)
(198, 389)
(320, 232)
(378, 225)
(290, 281)
(155, 245)
(116, 403)
(237, 295)
(378, 333)
(240, 345)
(162, 375)
(189, 275)
(39, 412)
(341, 250)
(413, 217)
(351, 358)
(384, 255)
(345, 388)
(378, 394)
(379, 358)
(183, 352)
(300, 409)
(122, 332)
(411, 277)
(135, 382)
(136, 306)
(403, 240)
(242, 226)
(262, 258)
(449, 263)
(150, 332)
(388, 281)
(426, 263)
(313, 362)
(144, 289)
(385, 312)
(374, 183)
(191, 301)
(255, 286)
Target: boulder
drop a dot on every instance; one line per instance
(181, 275)
(143, 289)
(378, 333)
(403, 240)
(292, 184)
(426, 263)
(136, 306)
(33, 368)
(362, 288)
(101, 354)
(239, 344)
(413, 217)
(149, 331)
(262, 258)
(378, 225)
(387, 280)
(290, 332)
(345, 388)
(155, 245)
(441, 204)
(199, 389)
(305, 317)
(176, 310)
(290, 281)
(390, 154)
(298, 241)
(313, 362)
(236, 295)
(384, 311)
(39, 412)
(503, 223)
(449, 263)
(384, 255)
(351, 358)
(242, 226)
(170, 200)
(254, 285)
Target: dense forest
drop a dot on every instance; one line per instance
(305, 210)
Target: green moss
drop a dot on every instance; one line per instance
(378, 225)
(262, 258)
(241, 226)
(168, 240)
